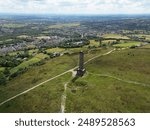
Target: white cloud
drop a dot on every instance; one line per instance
(76, 6)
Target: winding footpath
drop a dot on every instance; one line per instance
(63, 99)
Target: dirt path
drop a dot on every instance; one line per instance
(63, 99)
(123, 80)
(28, 90)
(100, 56)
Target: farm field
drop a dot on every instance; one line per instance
(127, 44)
(116, 36)
(94, 43)
(52, 50)
(66, 25)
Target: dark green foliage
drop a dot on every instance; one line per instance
(20, 71)
(9, 61)
(2, 79)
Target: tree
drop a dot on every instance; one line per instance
(2, 79)
(6, 72)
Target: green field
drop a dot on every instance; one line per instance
(106, 86)
(38, 74)
(2, 69)
(67, 25)
(98, 91)
(46, 98)
(12, 25)
(128, 44)
(108, 41)
(52, 50)
(94, 43)
(25, 64)
(33, 51)
(116, 36)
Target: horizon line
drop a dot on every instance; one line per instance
(52, 14)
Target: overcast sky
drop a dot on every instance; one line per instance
(75, 6)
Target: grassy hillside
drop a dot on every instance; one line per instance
(118, 82)
(107, 85)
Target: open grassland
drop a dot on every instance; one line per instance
(130, 64)
(127, 44)
(116, 36)
(46, 98)
(94, 93)
(38, 74)
(67, 25)
(97, 91)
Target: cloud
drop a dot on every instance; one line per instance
(76, 6)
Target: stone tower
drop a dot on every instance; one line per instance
(81, 69)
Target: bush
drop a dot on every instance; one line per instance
(2, 79)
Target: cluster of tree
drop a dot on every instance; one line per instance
(116, 42)
(3, 78)
(23, 55)
(20, 71)
(9, 61)
(73, 43)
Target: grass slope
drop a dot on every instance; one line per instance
(91, 93)
(94, 93)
